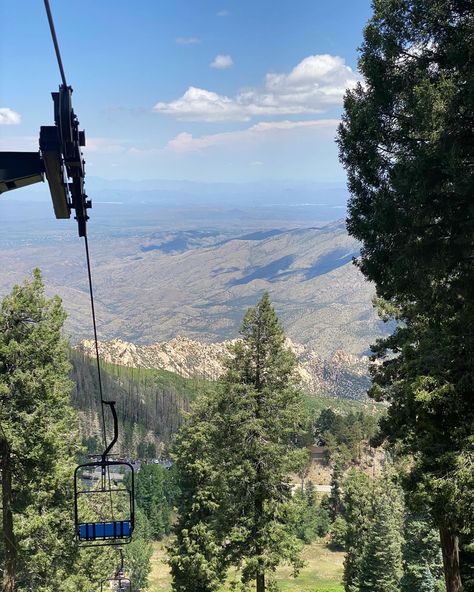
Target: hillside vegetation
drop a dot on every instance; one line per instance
(342, 375)
(152, 402)
(151, 285)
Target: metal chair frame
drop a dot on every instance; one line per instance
(106, 532)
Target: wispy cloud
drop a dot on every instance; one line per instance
(315, 85)
(223, 13)
(222, 62)
(20, 143)
(9, 117)
(105, 145)
(264, 131)
(188, 40)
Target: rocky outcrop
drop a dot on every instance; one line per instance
(342, 375)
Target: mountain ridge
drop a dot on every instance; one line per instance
(152, 283)
(343, 375)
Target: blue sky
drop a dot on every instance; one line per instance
(186, 89)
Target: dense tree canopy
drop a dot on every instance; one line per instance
(234, 457)
(37, 442)
(407, 142)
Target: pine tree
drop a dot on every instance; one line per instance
(381, 566)
(137, 554)
(357, 513)
(422, 562)
(233, 458)
(261, 409)
(150, 497)
(37, 441)
(407, 143)
(196, 557)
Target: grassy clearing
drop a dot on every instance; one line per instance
(322, 572)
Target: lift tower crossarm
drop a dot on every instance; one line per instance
(19, 169)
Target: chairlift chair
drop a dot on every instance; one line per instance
(104, 512)
(119, 583)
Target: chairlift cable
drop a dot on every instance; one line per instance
(96, 342)
(63, 77)
(91, 291)
(55, 41)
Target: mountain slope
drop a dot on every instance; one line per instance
(152, 284)
(343, 375)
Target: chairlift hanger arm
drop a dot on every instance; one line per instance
(19, 169)
(60, 157)
(111, 404)
(60, 146)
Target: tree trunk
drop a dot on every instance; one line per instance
(260, 577)
(450, 549)
(261, 582)
(7, 519)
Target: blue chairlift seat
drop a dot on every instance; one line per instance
(92, 531)
(102, 530)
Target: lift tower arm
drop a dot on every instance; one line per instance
(59, 158)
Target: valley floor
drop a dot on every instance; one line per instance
(322, 572)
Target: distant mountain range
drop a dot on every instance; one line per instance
(342, 375)
(152, 284)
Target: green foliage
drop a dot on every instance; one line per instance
(236, 505)
(312, 518)
(148, 402)
(137, 555)
(372, 523)
(196, 556)
(357, 507)
(422, 562)
(38, 439)
(388, 548)
(466, 554)
(406, 140)
(261, 406)
(381, 565)
(338, 534)
(345, 436)
(150, 495)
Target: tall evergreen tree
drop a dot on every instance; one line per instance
(196, 556)
(407, 142)
(357, 513)
(234, 457)
(150, 497)
(422, 563)
(261, 409)
(37, 441)
(381, 567)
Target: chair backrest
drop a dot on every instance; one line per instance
(104, 509)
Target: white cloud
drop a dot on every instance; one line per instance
(104, 145)
(188, 40)
(198, 104)
(19, 143)
(222, 62)
(263, 131)
(316, 84)
(223, 13)
(9, 117)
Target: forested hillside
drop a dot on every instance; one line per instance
(150, 403)
(342, 375)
